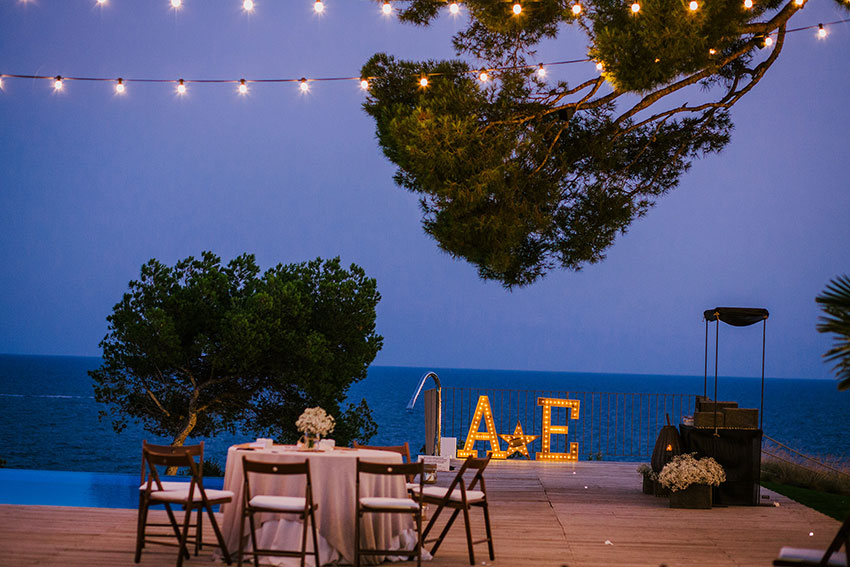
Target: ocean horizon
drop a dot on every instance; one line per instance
(49, 419)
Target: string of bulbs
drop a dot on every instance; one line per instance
(483, 75)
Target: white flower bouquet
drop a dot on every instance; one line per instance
(315, 421)
(646, 471)
(685, 470)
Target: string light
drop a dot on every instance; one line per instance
(768, 41)
(101, 2)
(304, 86)
(693, 6)
(454, 8)
(712, 51)
(517, 9)
(821, 31)
(248, 5)
(176, 4)
(387, 8)
(541, 72)
(243, 88)
(319, 7)
(635, 8)
(483, 76)
(181, 86)
(423, 82)
(799, 2)
(576, 9)
(119, 86)
(600, 66)
(748, 4)
(58, 84)
(1, 82)
(364, 84)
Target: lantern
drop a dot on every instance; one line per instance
(667, 446)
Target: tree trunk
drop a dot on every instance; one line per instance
(181, 438)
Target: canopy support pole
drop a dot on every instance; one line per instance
(705, 379)
(763, 342)
(716, 348)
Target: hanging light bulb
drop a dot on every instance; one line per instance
(1, 82)
(176, 4)
(576, 9)
(821, 31)
(319, 7)
(712, 51)
(748, 4)
(303, 86)
(768, 41)
(541, 72)
(248, 5)
(799, 2)
(600, 67)
(101, 2)
(57, 83)
(517, 9)
(387, 8)
(181, 87)
(483, 76)
(423, 82)
(454, 8)
(243, 88)
(693, 6)
(635, 8)
(119, 86)
(364, 84)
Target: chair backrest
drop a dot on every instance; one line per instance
(842, 538)
(408, 470)
(403, 450)
(469, 465)
(282, 469)
(154, 456)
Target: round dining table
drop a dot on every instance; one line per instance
(333, 475)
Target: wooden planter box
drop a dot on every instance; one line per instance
(648, 485)
(694, 497)
(659, 490)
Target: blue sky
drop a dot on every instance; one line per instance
(94, 184)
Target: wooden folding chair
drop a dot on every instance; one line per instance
(303, 506)
(461, 498)
(793, 556)
(386, 505)
(403, 450)
(190, 495)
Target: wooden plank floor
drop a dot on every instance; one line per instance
(544, 514)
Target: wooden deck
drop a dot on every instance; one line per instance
(544, 514)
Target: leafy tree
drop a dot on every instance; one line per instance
(835, 303)
(521, 175)
(202, 347)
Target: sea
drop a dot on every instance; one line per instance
(49, 418)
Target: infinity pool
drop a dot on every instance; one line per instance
(83, 489)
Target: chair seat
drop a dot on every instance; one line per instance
(182, 494)
(801, 556)
(279, 503)
(394, 503)
(167, 486)
(439, 492)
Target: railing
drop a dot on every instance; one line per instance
(615, 426)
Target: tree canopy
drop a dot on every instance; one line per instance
(520, 175)
(835, 303)
(200, 347)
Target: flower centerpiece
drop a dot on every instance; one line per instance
(690, 480)
(314, 423)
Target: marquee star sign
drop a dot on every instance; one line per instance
(518, 441)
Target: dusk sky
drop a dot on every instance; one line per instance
(94, 184)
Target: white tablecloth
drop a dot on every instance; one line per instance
(333, 474)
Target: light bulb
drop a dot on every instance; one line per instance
(517, 9)
(799, 2)
(600, 66)
(768, 41)
(483, 76)
(1, 82)
(304, 86)
(821, 31)
(119, 86)
(712, 51)
(693, 6)
(319, 6)
(176, 4)
(364, 84)
(181, 87)
(576, 9)
(57, 83)
(101, 2)
(248, 5)
(387, 9)
(748, 4)
(243, 88)
(423, 82)
(635, 8)
(454, 8)
(541, 72)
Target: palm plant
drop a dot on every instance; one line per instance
(835, 302)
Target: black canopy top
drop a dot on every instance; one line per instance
(737, 316)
